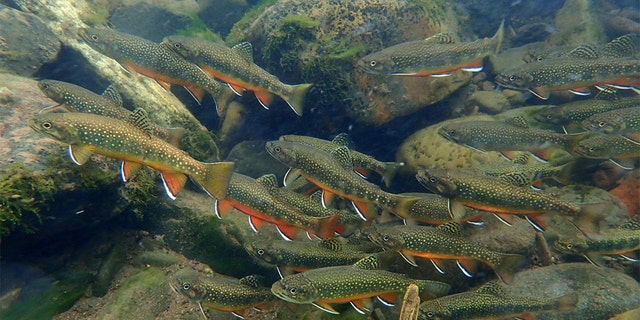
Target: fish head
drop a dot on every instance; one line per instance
(263, 251)
(593, 148)
(284, 152)
(296, 288)
(178, 44)
(105, 41)
(434, 310)
(550, 114)
(185, 282)
(453, 132)
(438, 181)
(56, 126)
(387, 237)
(573, 245)
(603, 125)
(515, 80)
(377, 63)
(53, 89)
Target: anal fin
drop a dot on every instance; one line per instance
(173, 183)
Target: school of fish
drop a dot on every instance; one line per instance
(337, 196)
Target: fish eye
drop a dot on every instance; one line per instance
(539, 59)
(277, 149)
(385, 237)
(177, 45)
(549, 117)
(601, 124)
(512, 78)
(293, 290)
(592, 149)
(44, 86)
(373, 63)
(260, 251)
(186, 286)
(47, 125)
(452, 132)
(430, 314)
(94, 37)
(433, 180)
(569, 246)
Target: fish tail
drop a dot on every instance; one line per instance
(499, 37)
(222, 98)
(566, 302)
(389, 171)
(215, 178)
(507, 266)
(403, 206)
(296, 98)
(327, 227)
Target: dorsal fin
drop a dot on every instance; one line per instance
(517, 121)
(493, 288)
(245, 50)
(441, 38)
(112, 94)
(342, 155)
(140, 119)
(623, 46)
(332, 244)
(585, 51)
(368, 263)
(268, 180)
(253, 280)
(452, 227)
(343, 139)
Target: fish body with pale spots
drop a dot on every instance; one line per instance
(443, 242)
(615, 121)
(360, 160)
(355, 283)
(618, 241)
(235, 66)
(434, 209)
(251, 197)
(509, 135)
(220, 292)
(494, 195)
(301, 256)
(490, 302)
(138, 55)
(577, 111)
(540, 78)
(437, 55)
(78, 99)
(616, 148)
(333, 173)
(87, 134)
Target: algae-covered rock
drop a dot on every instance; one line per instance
(490, 102)
(577, 22)
(319, 42)
(602, 292)
(26, 43)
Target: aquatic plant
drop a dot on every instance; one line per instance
(236, 34)
(197, 28)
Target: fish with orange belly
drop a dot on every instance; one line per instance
(133, 143)
(138, 55)
(235, 66)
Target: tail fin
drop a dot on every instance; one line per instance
(222, 95)
(327, 227)
(296, 99)
(507, 266)
(216, 179)
(389, 171)
(499, 37)
(403, 206)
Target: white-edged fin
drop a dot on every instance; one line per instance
(617, 86)
(267, 107)
(282, 234)
(534, 187)
(535, 225)
(537, 157)
(237, 92)
(437, 266)
(324, 204)
(502, 220)
(237, 315)
(279, 272)
(79, 154)
(360, 174)
(617, 163)
(325, 308)
(473, 69)
(632, 259)
(385, 302)
(580, 93)
(476, 223)
(251, 225)
(167, 189)
(440, 75)
(465, 271)
(360, 214)
(476, 149)
(409, 259)
(215, 209)
(202, 310)
(360, 311)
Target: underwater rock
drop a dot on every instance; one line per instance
(602, 292)
(494, 234)
(26, 43)
(575, 13)
(628, 191)
(490, 102)
(319, 42)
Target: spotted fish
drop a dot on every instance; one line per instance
(221, 292)
(355, 284)
(495, 195)
(361, 161)
(138, 55)
(132, 143)
(235, 66)
(615, 121)
(621, 150)
(622, 241)
(74, 98)
(251, 197)
(442, 243)
(491, 302)
(437, 56)
(333, 173)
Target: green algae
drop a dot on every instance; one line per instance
(198, 29)
(150, 283)
(236, 34)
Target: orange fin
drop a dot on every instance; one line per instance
(388, 299)
(236, 89)
(325, 307)
(287, 232)
(540, 92)
(437, 263)
(364, 209)
(327, 198)
(222, 207)
(466, 266)
(196, 91)
(504, 218)
(173, 183)
(79, 154)
(327, 227)
(362, 306)
(165, 85)
(127, 168)
(255, 223)
(265, 98)
(580, 91)
(408, 257)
